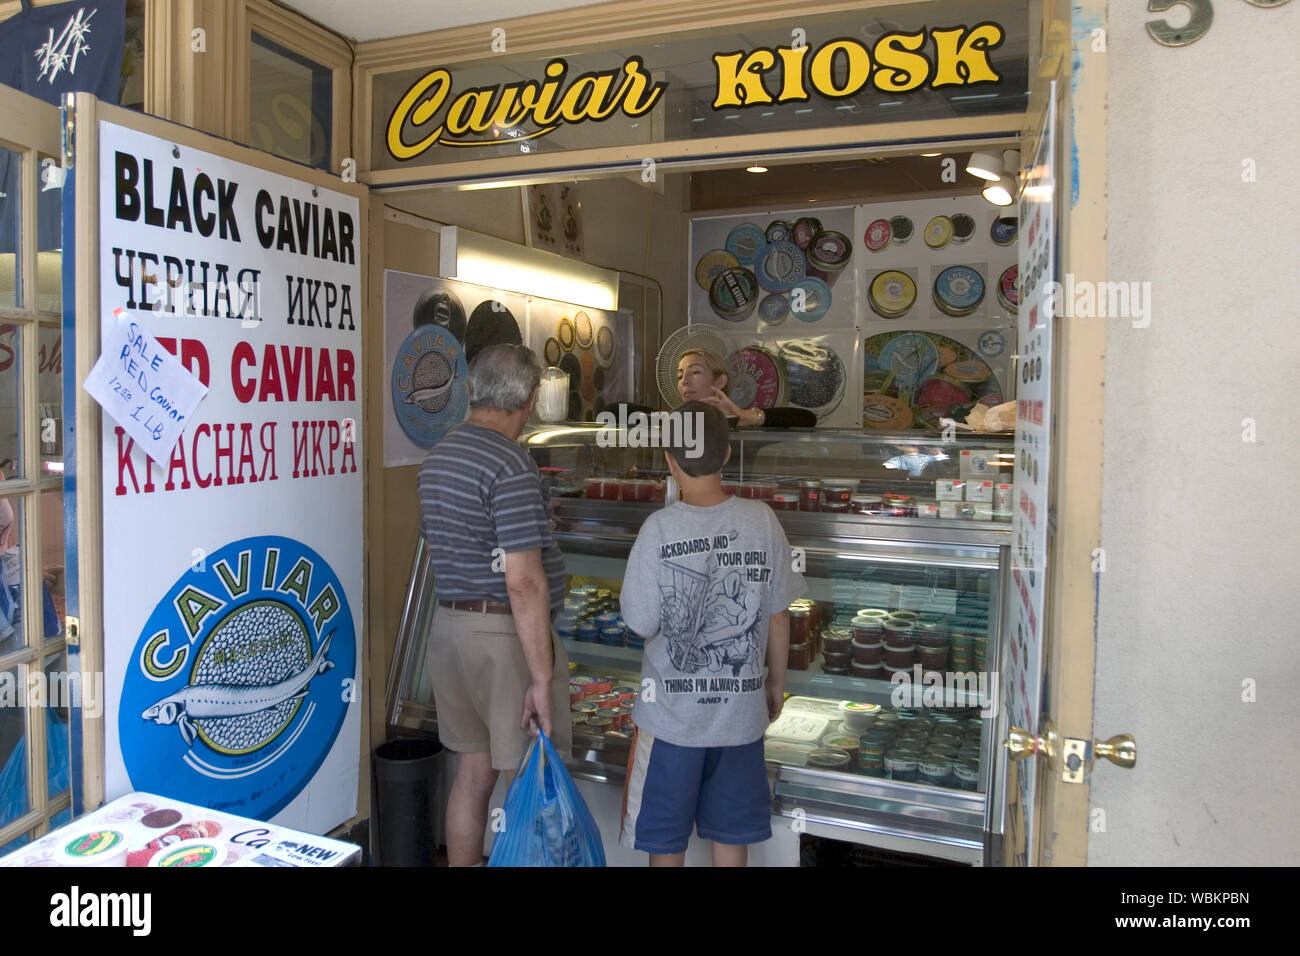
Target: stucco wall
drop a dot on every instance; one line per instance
(1200, 528)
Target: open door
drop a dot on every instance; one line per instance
(35, 770)
(219, 548)
(1048, 671)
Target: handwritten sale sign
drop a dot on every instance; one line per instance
(144, 387)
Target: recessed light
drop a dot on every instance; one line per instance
(928, 155)
(756, 169)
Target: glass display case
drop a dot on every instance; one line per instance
(887, 736)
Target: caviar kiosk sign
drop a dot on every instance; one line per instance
(233, 569)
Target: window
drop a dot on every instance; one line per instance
(291, 104)
(34, 682)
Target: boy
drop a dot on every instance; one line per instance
(707, 583)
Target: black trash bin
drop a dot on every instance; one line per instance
(405, 780)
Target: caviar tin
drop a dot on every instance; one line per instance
(958, 290)
(877, 235)
(773, 309)
(932, 658)
(968, 777)
(785, 501)
(828, 758)
(867, 653)
(745, 241)
(612, 636)
(867, 671)
(901, 230)
(963, 227)
(938, 232)
(622, 717)
(892, 294)
(711, 263)
(1004, 230)
(779, 265)
(810, 299)
(900, 655)
(576, 719)
(901, 767)
(600, 723)
(778, 230)
(868, 628)
(734, 294)
(837, 640)
(607, 619)
(1008, 290)
(866, 504)
(879, 612)
(903, 614)
(828, 254)
(588, 633)
(935, 773)
(846, 742)
(839, 660)
(805, 231)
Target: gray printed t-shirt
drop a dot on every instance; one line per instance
(700, 586)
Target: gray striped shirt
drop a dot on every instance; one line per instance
(480, 491)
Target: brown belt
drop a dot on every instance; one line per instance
(480, 607)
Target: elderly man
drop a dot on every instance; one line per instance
(498, 573)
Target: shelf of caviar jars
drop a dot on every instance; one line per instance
(877, 642)
(938, 747)
(590, 615)
(601, 705)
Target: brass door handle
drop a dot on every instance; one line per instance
(1021, 743)
(1076, 756)
(1121, 750)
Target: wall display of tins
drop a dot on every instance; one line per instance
(765, 268)
(432, 328)
(912, 378)
(593, 346)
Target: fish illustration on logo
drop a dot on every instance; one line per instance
(242, 678)
(216, 701)
(429, 391)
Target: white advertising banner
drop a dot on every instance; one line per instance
(1023, 665)
(233, 562)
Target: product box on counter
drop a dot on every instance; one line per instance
(143, 829)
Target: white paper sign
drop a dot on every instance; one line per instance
(144, 387)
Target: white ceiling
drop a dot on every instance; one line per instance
(381, 19)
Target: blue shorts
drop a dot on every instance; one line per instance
(722, 791)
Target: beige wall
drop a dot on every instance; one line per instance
(1200, 527)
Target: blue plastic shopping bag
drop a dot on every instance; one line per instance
(546, 821)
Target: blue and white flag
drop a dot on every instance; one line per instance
(65, 48)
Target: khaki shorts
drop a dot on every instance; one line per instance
(479, 675)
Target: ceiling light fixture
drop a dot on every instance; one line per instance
(756, 168)
(930, 155)
(985, 166)
(1002, 190)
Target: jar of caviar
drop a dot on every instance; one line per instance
(785, 501)
(810, 495)
(866, 504)
(837, 493)
(797, 659)
(900, 506)
(800, 622)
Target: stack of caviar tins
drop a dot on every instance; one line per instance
(933, 746)
(582, 606)
(601, 705)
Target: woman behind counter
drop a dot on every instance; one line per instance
(701, 376)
